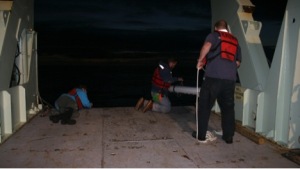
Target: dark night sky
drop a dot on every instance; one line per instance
(117, 25)
(125, 14)
(146, 15)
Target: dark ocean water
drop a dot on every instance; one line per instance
(116, 82)
(116, 66)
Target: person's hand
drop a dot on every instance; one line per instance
(180, 79)
(238, 63)
(201, 63)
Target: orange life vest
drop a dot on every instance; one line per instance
(73, 92)
(158, 81)
(228, 44)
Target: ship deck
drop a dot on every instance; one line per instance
(124, 137)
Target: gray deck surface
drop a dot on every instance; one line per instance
(124, 137)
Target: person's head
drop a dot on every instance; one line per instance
(172, 62)
(221, 24)
(83, 87)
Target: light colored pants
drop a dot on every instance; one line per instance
(160, 104)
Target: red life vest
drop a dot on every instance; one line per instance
(158, 81)
(229, 45)
(73, 92)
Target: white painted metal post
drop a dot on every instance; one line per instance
(250, 108)
(18, 106)
(5, 114)
(276, 111)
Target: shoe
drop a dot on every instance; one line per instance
(218, 132)
(208, 138)
(228, 140)
(148, 106)
(70, 122)
(54, 119)
(75, 114)
(140, 103)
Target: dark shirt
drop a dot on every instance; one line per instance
(220, 68)
(166, 74)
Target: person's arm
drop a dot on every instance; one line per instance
(202, 57)
(84, 99)
(167, 76)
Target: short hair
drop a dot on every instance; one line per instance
(82, 86)
(221, 24)
(172, 59)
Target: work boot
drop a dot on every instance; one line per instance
(148, 106)
(228, 140)
(140, 103)
(66, 117)
(70, 122)
(54, 119)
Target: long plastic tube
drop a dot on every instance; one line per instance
(184, 89)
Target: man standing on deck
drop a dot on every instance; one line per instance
(68, 104)
(161, 81)
(222, 55)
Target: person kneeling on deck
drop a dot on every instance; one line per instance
(161, 81)
(68, 105)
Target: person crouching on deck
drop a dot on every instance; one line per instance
(161, 81)
(69, 104)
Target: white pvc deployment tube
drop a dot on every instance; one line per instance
(184, 90)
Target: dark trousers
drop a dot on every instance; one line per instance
(63, 116)
(223, 91)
